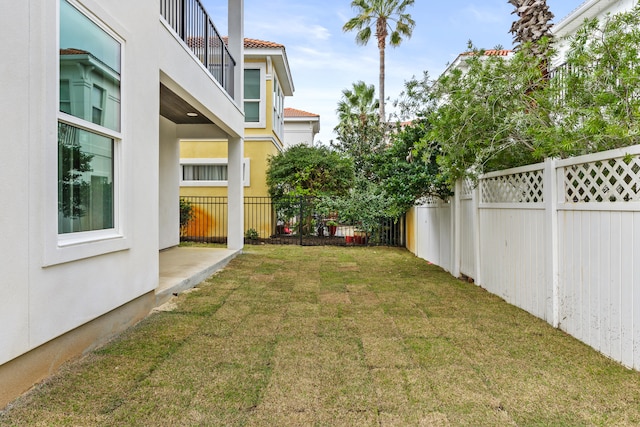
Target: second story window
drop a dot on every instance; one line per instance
(278, 108)
(252, 95)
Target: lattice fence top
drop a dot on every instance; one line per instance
(467, 188)
(523, 187)
(429, 201)
(614, 180)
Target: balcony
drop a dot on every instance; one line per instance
(192, 23)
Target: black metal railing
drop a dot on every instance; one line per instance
(192, 23)
(285, 221)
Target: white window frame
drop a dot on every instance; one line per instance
(262, 110)
(278, 108)
(62, 248)
(246, 171)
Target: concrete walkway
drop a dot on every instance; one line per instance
(182, 268)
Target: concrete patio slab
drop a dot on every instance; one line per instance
(182, 268)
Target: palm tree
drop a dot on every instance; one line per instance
(359, 132)
(534, 23)
(358, 104)
(381, 14)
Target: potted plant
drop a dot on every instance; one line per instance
(332, 226)
(360, 237)
(251, 235)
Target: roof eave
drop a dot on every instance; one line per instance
(281, 64)
(573, 20)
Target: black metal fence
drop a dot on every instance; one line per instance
(192, 23)
(293, 221)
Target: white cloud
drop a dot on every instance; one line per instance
(319, 32)
(488, 14)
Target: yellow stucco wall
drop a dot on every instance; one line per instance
(257, 152)
(210, 218)
(260, 143)
(411, 230)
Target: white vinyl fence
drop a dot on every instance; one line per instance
(559, 239)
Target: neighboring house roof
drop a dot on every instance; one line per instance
(254, 48)
(459, 62)
(257, 48)
(261, 44)
(589, 9)
(72, 51)
(254, 43)
(294, 113)
(569, 23)
(491, 52)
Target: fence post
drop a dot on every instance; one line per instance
(477, 235)
(550, 187)
(301, 200)
(457, 223)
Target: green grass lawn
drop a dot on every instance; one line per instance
(330, 336)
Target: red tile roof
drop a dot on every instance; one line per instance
(292, 112)
(73, 51)
(491, 52)
(261, 44)
(255, 43)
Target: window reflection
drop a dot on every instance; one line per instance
(89, 70)
(89, 91)
(85, 180)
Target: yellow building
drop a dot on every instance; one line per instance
(203, 162)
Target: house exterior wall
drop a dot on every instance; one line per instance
(261, 141)
(588, 10)
(48, 280)
(268, 133)
(256, 155)
(298, 132)
(169, 167)
(52, 287)
(15, 183)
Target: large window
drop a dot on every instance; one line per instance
(252, 95)
(88, 123)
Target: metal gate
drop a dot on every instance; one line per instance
(285, 221)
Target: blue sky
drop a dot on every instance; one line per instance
(324, 60)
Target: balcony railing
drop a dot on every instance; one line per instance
(566, 76)
(192, 23)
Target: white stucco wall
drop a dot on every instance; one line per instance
(14, 171)
(297, 132)
(48, 288)
(67, 287)
(169, 185)
(568, 26)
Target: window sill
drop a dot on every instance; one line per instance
(207, 184)
(80, 246)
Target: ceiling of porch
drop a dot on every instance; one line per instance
(179, 111)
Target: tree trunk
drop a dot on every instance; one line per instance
(381, 88)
